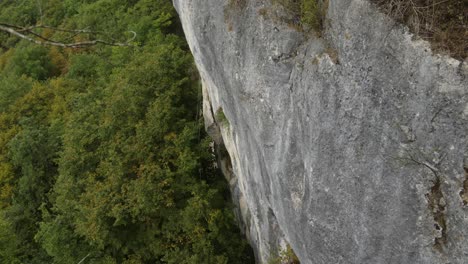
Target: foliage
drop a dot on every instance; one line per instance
(103, 157)
(31, 61)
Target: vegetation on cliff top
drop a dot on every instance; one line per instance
(444, 23)
(103, 157)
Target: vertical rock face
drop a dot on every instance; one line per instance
(351, 148)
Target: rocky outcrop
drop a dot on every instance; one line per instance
(350, 147)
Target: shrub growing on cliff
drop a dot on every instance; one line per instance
(312, 14)
(285, 256)
(306, 14)
(221, 117)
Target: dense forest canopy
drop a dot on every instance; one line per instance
(103, 157)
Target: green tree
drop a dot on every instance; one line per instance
(103, 157)
(31, 61)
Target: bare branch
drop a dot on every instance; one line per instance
(83, 259)
(28, 34)
(63, 30)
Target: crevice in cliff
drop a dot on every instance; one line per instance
(437, 203)
(214, 122)
(464, 191)
(224, 161)
(437, 206)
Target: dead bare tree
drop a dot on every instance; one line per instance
(30, 34)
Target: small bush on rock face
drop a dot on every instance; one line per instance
(305, 14)
(310, 14)
(286, 256)
(221, 117)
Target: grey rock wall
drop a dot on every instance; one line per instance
(350, 147)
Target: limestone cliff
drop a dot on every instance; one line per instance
(351, 147)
